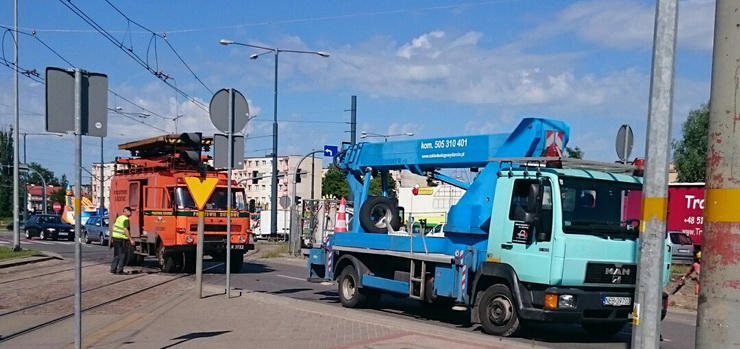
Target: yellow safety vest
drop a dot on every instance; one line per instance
(121, 223)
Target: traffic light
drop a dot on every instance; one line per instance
(297, 201)
(191, 155)
(298, 175)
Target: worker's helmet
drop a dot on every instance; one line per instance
(698, 255)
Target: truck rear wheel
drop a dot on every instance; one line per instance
(350, 294)
(603, 329)
(497, 311)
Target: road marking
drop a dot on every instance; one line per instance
(291, 277)
(4, 242)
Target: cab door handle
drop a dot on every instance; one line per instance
(507, 246)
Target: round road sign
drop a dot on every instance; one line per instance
(219, 111)
(57, 207)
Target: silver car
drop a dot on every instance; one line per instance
(96, 229)
(682, 247)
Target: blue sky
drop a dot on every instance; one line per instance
(434, 68)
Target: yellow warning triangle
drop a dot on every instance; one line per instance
(201, 189)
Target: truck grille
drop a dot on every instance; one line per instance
(235, 228)
(611, 273)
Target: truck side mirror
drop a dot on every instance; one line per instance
(252, 206)
(534, 199)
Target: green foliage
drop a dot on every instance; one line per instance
(34, 178)
(574, 153)
(59, 195)
(6, 172)
(335, 185)
(690, 152)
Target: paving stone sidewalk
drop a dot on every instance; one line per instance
(256, 320)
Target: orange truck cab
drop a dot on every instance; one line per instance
(164, 222)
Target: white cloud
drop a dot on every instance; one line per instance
(630, 24)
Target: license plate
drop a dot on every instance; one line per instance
(616, 301)
(683, 250)
(63, 233)
(237, 247)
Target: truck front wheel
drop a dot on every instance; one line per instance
(167, 261)
(350, 294)
(498, 313)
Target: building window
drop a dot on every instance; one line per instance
(249, 163)
(264, 162)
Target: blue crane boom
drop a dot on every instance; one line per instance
(426, 156)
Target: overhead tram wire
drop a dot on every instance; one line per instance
(130, 52)
(35, 76)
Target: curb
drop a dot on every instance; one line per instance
(28, 260)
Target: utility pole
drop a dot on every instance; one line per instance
(717, 318)
(353, 121)
(16, 148)
(313, 173)
(648, 293)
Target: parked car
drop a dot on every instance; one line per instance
(682, 247)
(47, 226)
(20, 226)
(96, 229)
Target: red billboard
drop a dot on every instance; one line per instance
(686, 209)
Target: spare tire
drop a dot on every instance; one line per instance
(377, 212)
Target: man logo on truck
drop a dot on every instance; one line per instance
(617, 271)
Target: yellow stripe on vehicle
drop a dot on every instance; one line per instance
(721, 205)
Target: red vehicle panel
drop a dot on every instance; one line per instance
(686, 209)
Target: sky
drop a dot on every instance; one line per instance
(435, 68)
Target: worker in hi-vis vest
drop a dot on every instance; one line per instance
(120, 241)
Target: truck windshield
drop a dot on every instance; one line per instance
(217, 201)
(602, 208)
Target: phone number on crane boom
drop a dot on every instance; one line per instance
(445, 143)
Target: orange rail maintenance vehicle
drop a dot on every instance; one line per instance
(164, 222)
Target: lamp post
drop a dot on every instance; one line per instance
(24, 134)
(273, 182)
(25, 197)
(365, 134)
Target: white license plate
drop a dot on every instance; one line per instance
(62, 233)
(237, 247)
(683, 250)
(616, 301)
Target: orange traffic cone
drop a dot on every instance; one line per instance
(341, 225)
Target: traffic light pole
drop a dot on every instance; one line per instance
(294, 234)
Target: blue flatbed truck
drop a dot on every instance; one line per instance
(535, 237)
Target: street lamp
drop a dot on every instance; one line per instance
(273, 182)
(365, 134)
(34, 134)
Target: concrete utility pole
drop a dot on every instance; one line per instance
(353, 121)
(719, 298)
(648, 295)
(16, 148)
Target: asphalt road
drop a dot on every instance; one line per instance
(288, 279)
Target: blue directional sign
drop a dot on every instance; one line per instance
(330, 150)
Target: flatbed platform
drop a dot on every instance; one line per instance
(421, 256)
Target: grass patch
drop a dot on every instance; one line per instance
(679, 269)
(7, 253)
(274, 250)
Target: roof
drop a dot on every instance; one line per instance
(159, 145)
(38, 190)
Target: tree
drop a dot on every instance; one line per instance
(6, 172)
(60, 195)
(690, 152)
(574, 153)
(334, 184)
(34, 178)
